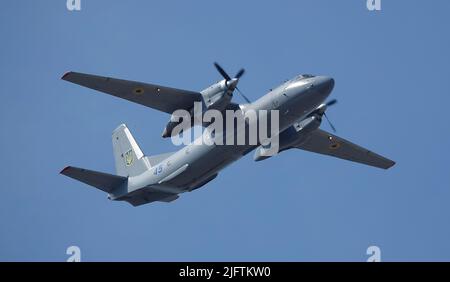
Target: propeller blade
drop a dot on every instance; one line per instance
(331, 103)
(222, 71)
(329, 122)
(243, 96)
(240, 73)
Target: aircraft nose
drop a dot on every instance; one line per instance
(325, 85)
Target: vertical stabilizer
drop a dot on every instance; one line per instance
(130, 160)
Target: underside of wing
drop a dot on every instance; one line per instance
(326, 143)
(158, 97)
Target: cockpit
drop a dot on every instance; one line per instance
(297, 78)
(304, 76)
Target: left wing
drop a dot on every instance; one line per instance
(158, 97)
(322, 142)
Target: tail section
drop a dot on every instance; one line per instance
(130, 160)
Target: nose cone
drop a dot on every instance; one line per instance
(324, 85)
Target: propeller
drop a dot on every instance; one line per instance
(331, 103)
(222, 71)
(327, 104)
(329, 122)
(243, 96)
(238, 75)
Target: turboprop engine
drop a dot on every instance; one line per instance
(217, 96)
(298, 132)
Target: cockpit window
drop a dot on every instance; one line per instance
(303, 76)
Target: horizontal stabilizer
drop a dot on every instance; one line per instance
(100, 180)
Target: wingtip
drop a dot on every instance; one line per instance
(64, 76)
(64, 169)
(391, 164)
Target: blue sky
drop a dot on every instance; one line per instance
(391, 70)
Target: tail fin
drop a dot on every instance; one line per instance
(130, 160)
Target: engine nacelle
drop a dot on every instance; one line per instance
(217, 96)
(292, 136)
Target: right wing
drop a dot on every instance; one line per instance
(322, 142)
(161, 98)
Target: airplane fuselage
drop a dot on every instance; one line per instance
(195, 165)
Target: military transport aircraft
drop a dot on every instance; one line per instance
(141, 179)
